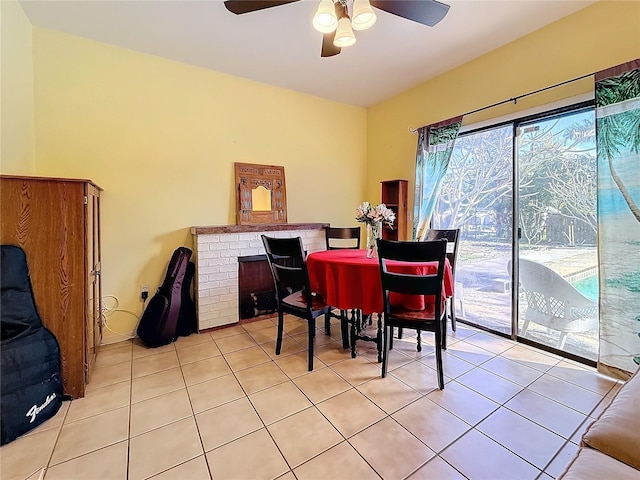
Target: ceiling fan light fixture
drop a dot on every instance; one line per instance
(325, 20)
(344, 34)
(363, 15)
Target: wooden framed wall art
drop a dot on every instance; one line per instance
(261, 194)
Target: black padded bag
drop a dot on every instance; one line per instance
(187, 318)
(159, 323)
(31, 389)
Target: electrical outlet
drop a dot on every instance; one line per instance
(144, 292)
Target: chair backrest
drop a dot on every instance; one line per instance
(452, 236)
(412, 283)
(347, 237)
(287, 262)
(541, 280)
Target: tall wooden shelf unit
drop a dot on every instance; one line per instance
(394, 196)
(57, 223)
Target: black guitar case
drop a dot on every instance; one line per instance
(159, 323)
(187, 319)
(31, 389)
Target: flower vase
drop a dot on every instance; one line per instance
(373, 233)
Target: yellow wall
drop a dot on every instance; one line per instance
(161, 137)
(16, 94)
(599, 36)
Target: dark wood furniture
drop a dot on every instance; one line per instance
(342, 237)
(452, 235)
(394, 196)
(261, 195)
(348, 279)
(338, 238)
(57, 223)
(288, 265)
(256, 293)
(432, 317)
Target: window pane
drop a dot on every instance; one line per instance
(477, 197)
(557, 216)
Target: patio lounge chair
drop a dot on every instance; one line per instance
(554, 303)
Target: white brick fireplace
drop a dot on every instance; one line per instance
(216, 252)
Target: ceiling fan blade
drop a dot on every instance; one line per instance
(328, 48)
(245, 6)
(427, 12)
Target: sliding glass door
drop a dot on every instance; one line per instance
(539, 174)
(557, 218)
(477, 197)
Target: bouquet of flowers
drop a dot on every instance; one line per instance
(373, 218)
(366, 213)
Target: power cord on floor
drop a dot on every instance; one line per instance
(110, 305)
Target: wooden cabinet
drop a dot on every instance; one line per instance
(394, 196)
(57, 223)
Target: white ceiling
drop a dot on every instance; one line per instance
(279, 46)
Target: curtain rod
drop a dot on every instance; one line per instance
(515, 99)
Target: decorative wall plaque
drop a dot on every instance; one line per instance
(261, 195)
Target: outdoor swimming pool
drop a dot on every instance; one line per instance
(588, 287)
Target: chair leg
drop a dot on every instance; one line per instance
(353, 336)
(439, 362)
(388, 332)
(379, 338)
(280, 329)
(452, 306)
(391, 339)
(312, 334)
(459, 288)
(344, 328)
(444, 331)
(399, 332)
(562, 340)
(419, 347)
(327, 323)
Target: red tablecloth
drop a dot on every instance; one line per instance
(348, 279)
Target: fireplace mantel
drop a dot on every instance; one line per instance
(275, 227)
(216, 252)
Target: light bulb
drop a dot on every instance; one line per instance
(344, 35)
(325, 20)
(363, 15)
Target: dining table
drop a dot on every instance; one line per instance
(347, 279)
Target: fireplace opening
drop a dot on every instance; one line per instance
(257, 295)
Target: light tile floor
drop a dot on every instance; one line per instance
(223, 405)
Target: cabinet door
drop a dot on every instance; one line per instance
(93, 325)
(46, 217)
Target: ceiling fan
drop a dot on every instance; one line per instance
(332, 17)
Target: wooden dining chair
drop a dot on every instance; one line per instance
(433, 317)
(452, 236)
(287, 261)
(338, 238)
(342, 237)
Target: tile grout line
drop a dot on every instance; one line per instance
(193, 415)
(587, 418)
(411, 360)
(55, 444)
